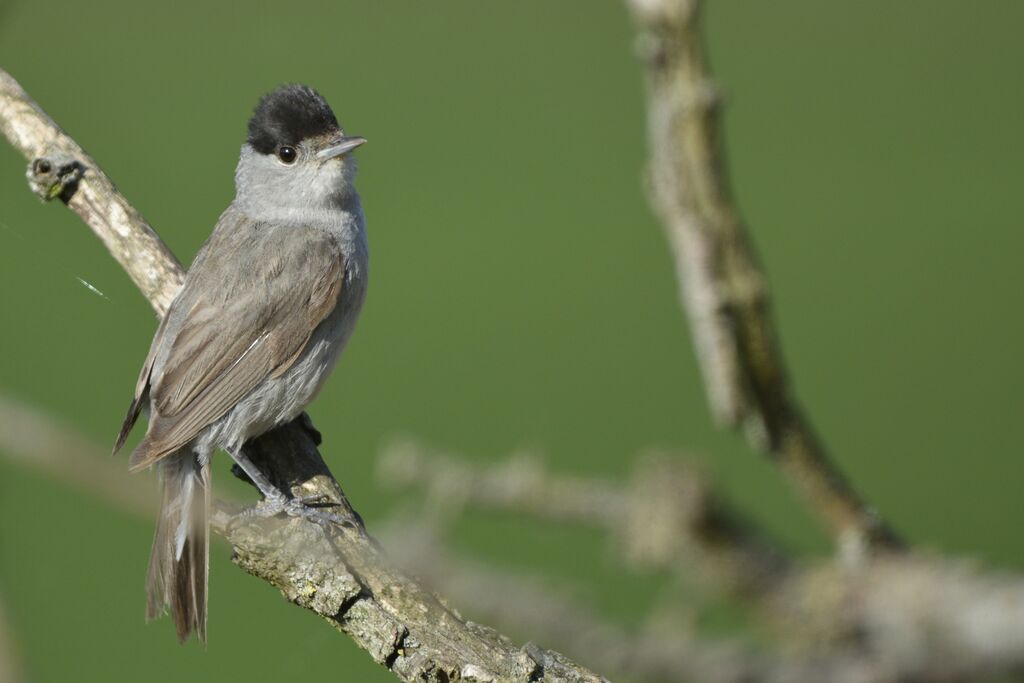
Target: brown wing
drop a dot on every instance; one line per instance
(230, 330)
(141, 386)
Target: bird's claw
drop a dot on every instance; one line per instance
(302, 508)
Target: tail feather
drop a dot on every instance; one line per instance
(179, 561)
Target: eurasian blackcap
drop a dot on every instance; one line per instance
(265, 310)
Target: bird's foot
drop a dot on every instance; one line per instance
(311, 509)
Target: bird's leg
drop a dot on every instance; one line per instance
(276, 501)
(269, 491)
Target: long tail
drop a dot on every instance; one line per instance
(179, 561)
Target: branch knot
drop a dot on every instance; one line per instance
(55, 175)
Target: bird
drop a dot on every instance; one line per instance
(265, 310)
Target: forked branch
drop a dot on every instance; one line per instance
(722, 287)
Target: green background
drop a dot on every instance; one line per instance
(522, 294)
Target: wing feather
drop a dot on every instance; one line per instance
(141, 386)
(168, 434)
(198, 367)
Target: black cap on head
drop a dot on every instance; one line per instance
(289, 115)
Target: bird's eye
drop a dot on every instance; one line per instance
(287, 154)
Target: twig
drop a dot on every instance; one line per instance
(337, 573)
(721, 285)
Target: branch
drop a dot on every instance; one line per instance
(892, 618)
(721, 285)
(30, 437)
(666, 518)
(60, 168)
(336, 572)
(659, 651)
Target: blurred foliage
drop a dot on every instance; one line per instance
(522, 294)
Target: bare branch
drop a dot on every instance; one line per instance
(666, 518)
(337, 573)
(911, 617)
(60, 168)
(721, 285)
(894, 618)
(529, 605)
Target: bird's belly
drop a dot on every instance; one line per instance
(281, 399)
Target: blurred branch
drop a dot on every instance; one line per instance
(722, 286)
(895, 621)
(31, 437)
(667, 517)
(661, 651)
(894, 617)
(910, 617)
(10, 667)
(336, 572)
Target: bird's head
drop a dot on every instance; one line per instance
(296, 155)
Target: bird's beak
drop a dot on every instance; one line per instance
(339, 146)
